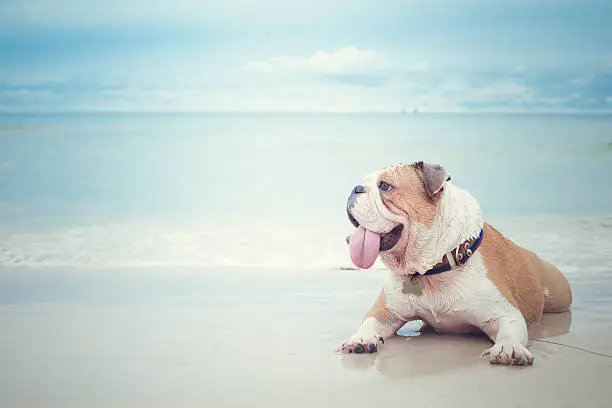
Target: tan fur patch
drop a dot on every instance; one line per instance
(409, 196)
(379, 310)
(521, 276)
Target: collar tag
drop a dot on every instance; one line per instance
(412, 287)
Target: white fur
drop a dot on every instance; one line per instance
(371, 332)
(464, 298)
(460, 219)
(371, 328)
(370, 211)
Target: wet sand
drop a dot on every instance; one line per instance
(180, 337)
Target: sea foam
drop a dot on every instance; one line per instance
(573, 243)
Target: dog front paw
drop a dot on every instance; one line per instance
(359, 344)
(509, 354)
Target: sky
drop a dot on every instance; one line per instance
(297, 56)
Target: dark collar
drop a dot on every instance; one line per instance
(457, 256)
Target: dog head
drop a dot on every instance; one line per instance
(393, 211)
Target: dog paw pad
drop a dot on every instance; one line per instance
(509, 354)
(360, 346)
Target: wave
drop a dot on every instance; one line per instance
(571, 241)
(156, 244)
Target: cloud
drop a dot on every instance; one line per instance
(428, 94)
(347, 79)
(505, 90)
(346, 60)
(273, 55)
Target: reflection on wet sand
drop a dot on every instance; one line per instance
(552, 325)
(415, 352)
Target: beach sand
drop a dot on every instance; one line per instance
(245, 337)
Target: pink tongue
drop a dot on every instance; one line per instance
(364, 246)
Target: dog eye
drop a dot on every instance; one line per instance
(384, 186)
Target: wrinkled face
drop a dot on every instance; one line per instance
(392, 210)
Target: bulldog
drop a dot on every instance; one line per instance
(447, 267)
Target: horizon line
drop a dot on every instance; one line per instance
(566, 112)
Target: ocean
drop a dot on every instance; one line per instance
(90, 190)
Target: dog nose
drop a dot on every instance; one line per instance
(359, 189)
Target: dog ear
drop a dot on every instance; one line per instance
(434, 177)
